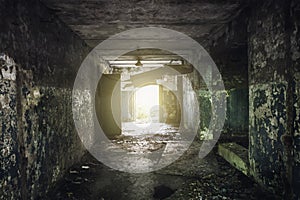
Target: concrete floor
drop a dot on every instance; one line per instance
(188, 178)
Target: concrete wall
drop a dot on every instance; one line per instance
(237, 113)
(9, 179)
(108, 104)
(228, 49)
(188, 111)
(237, 116)
(38, 139)
(273, 102)
(126, 102)
(295, 98)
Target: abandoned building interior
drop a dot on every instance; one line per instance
(152, 104)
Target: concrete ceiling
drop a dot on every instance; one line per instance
(218, 25)
(96, 20)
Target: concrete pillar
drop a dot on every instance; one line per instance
(108, 104)
(295, 55)
(271, 97)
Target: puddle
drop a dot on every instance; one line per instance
(162, 192)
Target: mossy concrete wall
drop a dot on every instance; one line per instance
(237, 111)
(295, 98)
(38, 138)
(273, 101)
(9, 176)
(228, 48)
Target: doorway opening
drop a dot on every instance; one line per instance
(146, 100)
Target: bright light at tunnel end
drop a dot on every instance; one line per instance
(90, 71)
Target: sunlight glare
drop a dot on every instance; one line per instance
(146, 98)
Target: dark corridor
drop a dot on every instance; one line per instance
(223, 122)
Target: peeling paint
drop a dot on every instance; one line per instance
(268, 96)
(38, 140)
(8, 124)
(274, 62)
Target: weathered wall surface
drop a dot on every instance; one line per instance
(237, 114)
(272, 78)
(9, 174)
(228, 48)
(38, 40)
(295, 54)
(237, 111)
(39, 139)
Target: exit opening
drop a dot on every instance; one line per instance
(147, 104)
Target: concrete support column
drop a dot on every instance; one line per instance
(108, 104)
(271, 97)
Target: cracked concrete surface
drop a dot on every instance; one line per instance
(187, 178)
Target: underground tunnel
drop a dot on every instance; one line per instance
(112, 99)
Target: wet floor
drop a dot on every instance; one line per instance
(189, 177)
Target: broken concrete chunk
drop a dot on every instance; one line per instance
(85, 167)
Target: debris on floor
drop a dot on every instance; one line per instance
(189, 177)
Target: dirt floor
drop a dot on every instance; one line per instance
(187, 178)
